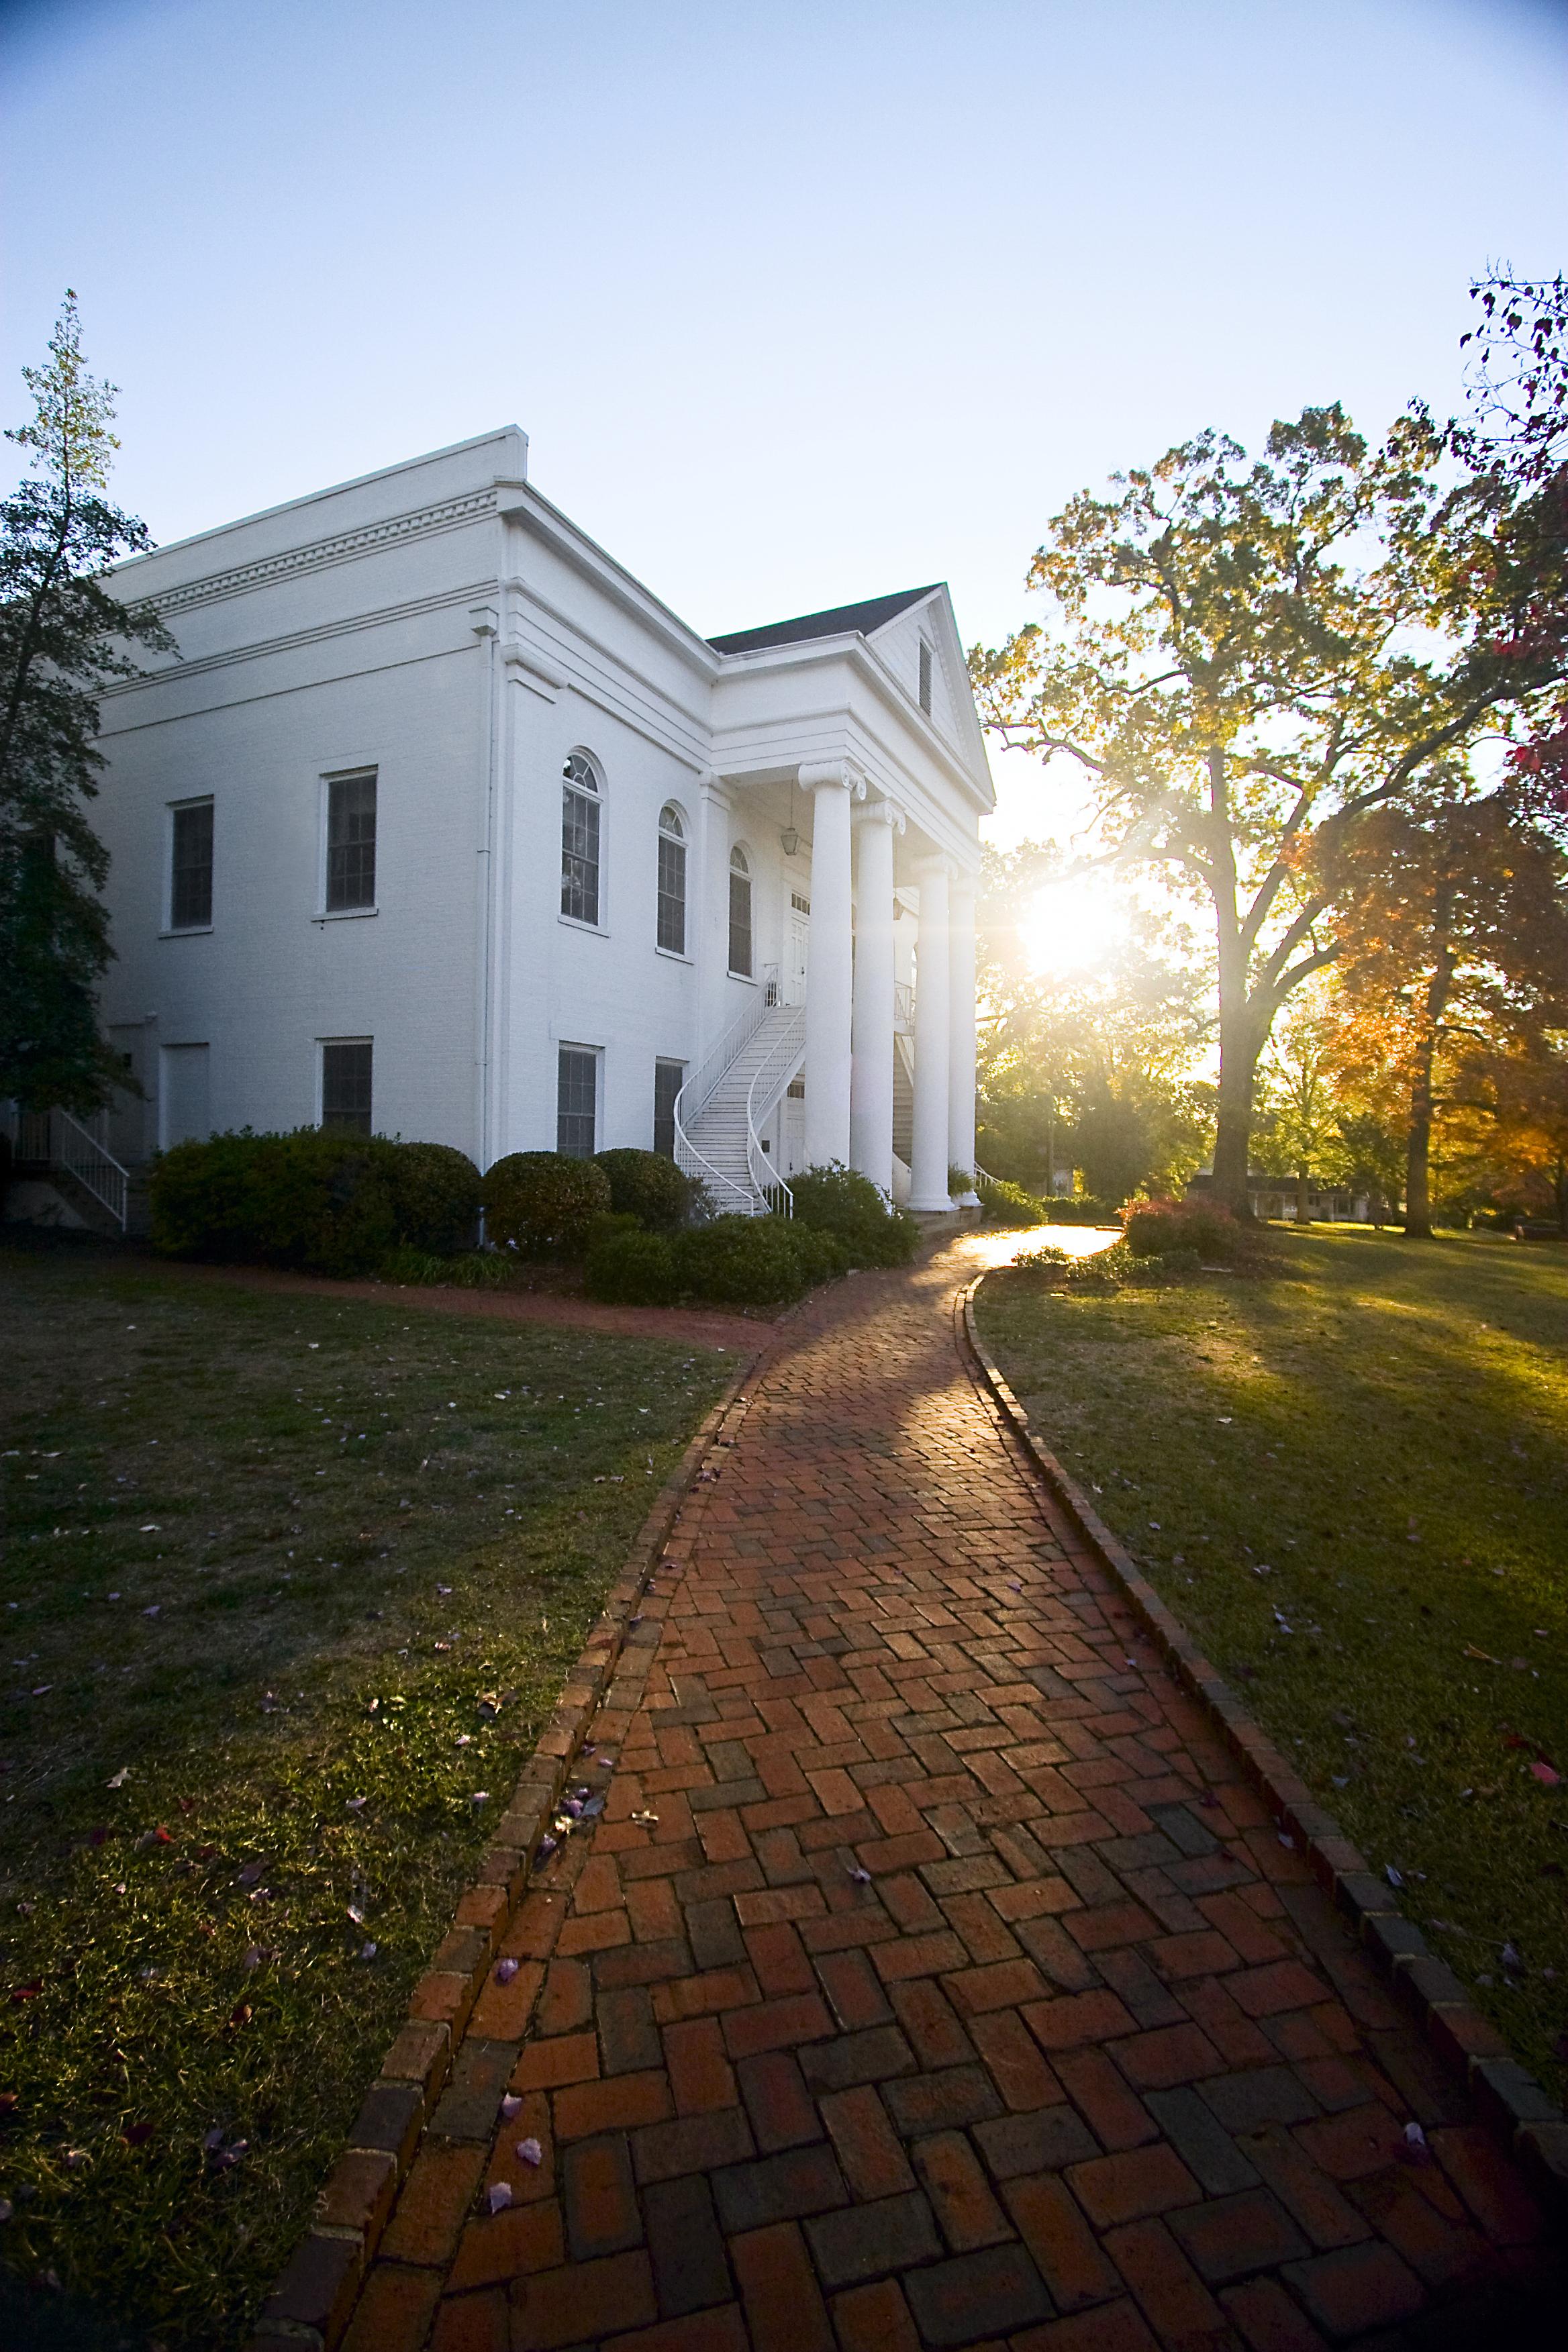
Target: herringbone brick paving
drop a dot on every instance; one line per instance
(931, 1979)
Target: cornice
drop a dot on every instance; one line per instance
(318, 555)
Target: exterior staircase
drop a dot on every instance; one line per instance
(69, 1176)
(721, 1109)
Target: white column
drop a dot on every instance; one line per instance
(831, 964)
(711, 944)
(961, 1021)
(871, 1029)
(928, 1178)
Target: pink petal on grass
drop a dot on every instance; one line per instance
(1546, 1776)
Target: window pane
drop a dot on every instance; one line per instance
(579, 856)
(672, 895)
(345, 1086)
(576, 1089)
(668, 1077)
(350, 842)
(741, 924)
(190, 883)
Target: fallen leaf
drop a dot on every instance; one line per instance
(1485, 1656)
(1546, 1776)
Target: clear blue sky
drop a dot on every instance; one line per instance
(797, 302)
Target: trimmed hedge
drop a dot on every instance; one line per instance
(1008, 1205)
(835, 1200)
(1157, 1228)
(648, 1187)
(326, 1202)
(543, 1203)
(631, 1269)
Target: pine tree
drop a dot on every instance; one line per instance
(63, 636)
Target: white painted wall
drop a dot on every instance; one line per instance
(441, 623)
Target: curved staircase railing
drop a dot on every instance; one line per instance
(769, 1082)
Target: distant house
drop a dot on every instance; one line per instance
(1275, 1196)
(443, 825)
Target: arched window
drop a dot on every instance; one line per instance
(739, 914)
(580, 812)
(671, 880)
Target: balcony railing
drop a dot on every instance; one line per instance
(55, 1139)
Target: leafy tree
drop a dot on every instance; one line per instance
(1453, 939)
(1300, 1130)
(63, 637)
(1093, 1065)
(1243, 656)
(1517, 434)
(1530, 1143)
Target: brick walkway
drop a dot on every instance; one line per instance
(930, 1978)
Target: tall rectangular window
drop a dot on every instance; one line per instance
(739, 914)
(345, 1084)
(580, 840)
(350, 842)
(925, 677)
(191, 868)
(577, 1101)
(668, 1077)
(671, 932)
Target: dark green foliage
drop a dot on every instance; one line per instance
(648, 1187)
(835, 1200)
(62, 641)
(1008, 1205)
(631, 1269)
(1079, 1209)
(1153, 1228)
(748, 1262)
(543, 1203)
(329, 1202)
(434, 1197)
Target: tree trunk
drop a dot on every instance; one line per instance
(1559, 1194)
(1303, 1215)
(1419, 1150)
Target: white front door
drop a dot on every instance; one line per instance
(799, 941)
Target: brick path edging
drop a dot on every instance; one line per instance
(313, 2300)
(1510, 2101)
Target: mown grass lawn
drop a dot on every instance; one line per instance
(288, 1580)
(1350, 1481)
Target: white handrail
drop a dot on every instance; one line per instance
(903, 1009)
(775, 1071)
(697, 1091)
(61, 1141)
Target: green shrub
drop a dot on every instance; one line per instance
(630, 1268)
(648, 1187)
(468, 1270)
(1079, 1209)
(960, 1180)
(835, 1200)
(1008, 1205)
(542, 1203)
(1153, 1228)
(743, 1262)
(321, 1200)
(435, 1196)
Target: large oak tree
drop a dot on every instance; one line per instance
(1242, 654)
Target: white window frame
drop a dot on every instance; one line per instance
(168, 929)
(321, 1043)
(601, 929)
(685, 838)
(329, 777)
(738, 848)
(576, 1046)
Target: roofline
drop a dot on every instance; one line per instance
(331, 491)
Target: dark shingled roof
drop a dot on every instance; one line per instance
(842, 620)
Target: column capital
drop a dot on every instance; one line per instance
(819, 775)
(712, 787)
(938, 864)
(884, 812)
